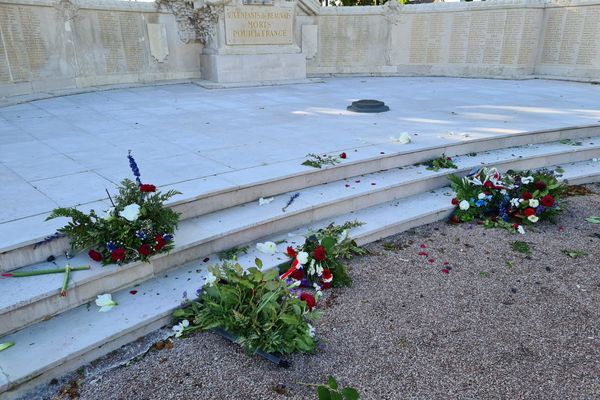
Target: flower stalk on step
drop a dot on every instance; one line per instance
(63, 290)
(24, 274)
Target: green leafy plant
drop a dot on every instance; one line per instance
(138, 226)
(233, 253)
(255, 306)
(593, 219)
(317, 161)
(332, 391)
(442, 162)
(574, 253)
(520, 247)
(570, 142)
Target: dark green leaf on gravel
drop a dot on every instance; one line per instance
(520, 247)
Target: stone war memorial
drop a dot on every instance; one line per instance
(269, 199)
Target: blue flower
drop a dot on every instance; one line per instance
(134, 168)
(167, 237)
(141, 235)
(111, 246)
(480, 203)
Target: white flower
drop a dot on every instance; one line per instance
(533, 218)
(503, 192)
(131, 212)
(110, 214)
(481, 196)
(180, 327)
(520, 229)
(302, 257)
(319, 269)
(262, 201)
(344, 234)
(105, 302)
(526, 180)
(515, 202)
(464, 205)
(404, 138)
(311, 330)
(534, 203)
(210, 279)
(266, 247)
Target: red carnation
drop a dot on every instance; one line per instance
(147, 188)
(547, 201)
(94, 255)
(488, 184)
(540, 185)
(320, 254)
(529, 212)
(297, 275)
(455, 201)
(291, 252)
(327, 276)
(309, 299)
(145, 250)
(454, 219)
(118, 255)
(160, 243)
(526, 196)
(343, 156)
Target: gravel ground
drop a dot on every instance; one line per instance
(501, 324)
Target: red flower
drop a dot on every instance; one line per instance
(145, 250)
(454, 219)
(423, 246)
(147, 188)
(547, 201)
(291, 252)
(118, 255)
(455, 201)
(160, 243)
(297, 275)
(326, 276)
(526, 196)
(343, 156)
(309, 299)
(540, 185)
(488, 184)
(445, 271)
(516, 226)
(529, 212)
(320, 254)
(94, 255)
(423, 253)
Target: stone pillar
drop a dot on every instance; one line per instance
(250, 42)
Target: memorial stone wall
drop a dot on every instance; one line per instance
(48, 45)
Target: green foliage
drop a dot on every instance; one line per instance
(233, 253)
(593, 219)
(255, 306)
(442, 162)
(91, 230)
(574, 253)
(520, 247)
(570, 142)
(317, 161)
(331, 391)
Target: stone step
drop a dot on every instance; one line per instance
(82, 334)
(29, 300)
(24, 242)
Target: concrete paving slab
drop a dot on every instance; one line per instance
(232, 130)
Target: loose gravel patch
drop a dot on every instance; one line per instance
(500, 324)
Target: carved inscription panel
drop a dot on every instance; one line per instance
(256, 25)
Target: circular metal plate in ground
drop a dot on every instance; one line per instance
(368, 106)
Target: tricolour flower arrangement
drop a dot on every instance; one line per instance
(263, 312)
(135, 228)
(509, 200)
(319, 261)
